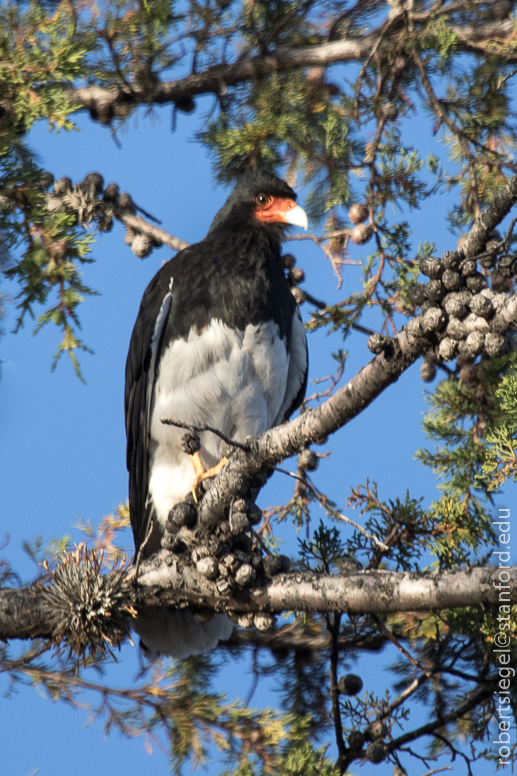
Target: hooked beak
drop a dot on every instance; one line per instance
(297, 217)
(282, 210)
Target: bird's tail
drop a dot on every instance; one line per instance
(175, 633)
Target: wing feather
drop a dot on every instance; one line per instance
(141, 369)
(296, 384)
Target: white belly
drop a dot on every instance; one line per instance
(232, 380)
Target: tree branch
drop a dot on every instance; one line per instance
(346, 403)
(24, 613)
(289, 637)
(359, 593)
(144, 227)
(216, 78)
(311, 426)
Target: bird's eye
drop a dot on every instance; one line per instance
(262, 200)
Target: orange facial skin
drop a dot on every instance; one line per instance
(274, 210)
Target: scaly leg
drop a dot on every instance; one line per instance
(202, 474)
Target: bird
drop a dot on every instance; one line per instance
(218, 341)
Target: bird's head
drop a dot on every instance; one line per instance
(261, 197)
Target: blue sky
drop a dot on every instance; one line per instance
(62, 444)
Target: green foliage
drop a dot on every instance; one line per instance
(404, 525)
(474, 426)
(199, 717)
(298, 758)
(461, 412)
(500, 461)
(38, 53)
(53, 246)
(326, 548)
(39, 552)
(286, 115)
(345, 132)
(48, 271)
(442, 39)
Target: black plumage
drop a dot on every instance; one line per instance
(218, 332)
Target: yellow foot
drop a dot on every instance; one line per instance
(201, 474)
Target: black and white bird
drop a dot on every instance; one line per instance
(218, 340)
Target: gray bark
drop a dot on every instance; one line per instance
(215, 79)
(364, 592)
(24, 614)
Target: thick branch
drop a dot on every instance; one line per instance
(216, 78)
(490, 218)
(23, 614)
(363, 592)
(311, 426)
(315, 425)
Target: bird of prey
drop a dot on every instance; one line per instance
(218, 340)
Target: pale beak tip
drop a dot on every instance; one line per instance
(297, 217)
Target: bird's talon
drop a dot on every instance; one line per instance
(201, 474)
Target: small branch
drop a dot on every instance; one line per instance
(389, 635)
(490, 218)
(431, 727)
(344, 519)
(335, 257)
(290, 637)
(205, 427)
(334, 512)
(362, 329)
(506, 78)
(312, 300)
(160, 235)
(404, 695)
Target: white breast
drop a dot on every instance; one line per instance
(239, 382)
